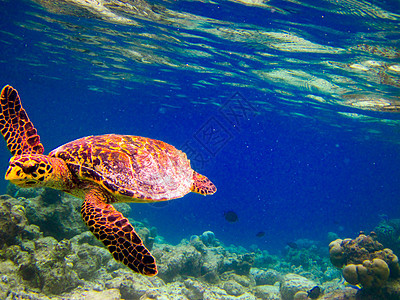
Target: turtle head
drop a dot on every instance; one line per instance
(31, 170)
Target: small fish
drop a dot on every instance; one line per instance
(231, 216)
(260, 234)
(292, 245)
(353, 286)
(314, 292)
(356, 287)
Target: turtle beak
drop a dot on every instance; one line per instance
(16, 176)
(12, 174)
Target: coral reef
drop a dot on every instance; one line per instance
(294, 283)
(177, 261)
(266, 277)
(32, 263)
(364, 261)
(208, 238)
(12, 220)
(370, 274)
(197, 260)
(388, 232)
(42, 261)
(55, 215)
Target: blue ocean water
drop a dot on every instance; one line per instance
(291, 108)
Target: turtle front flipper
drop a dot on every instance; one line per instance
(18, 131)
(117, 234)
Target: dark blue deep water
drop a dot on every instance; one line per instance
(290, 107)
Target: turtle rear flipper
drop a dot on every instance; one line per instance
(202, 185)
(117, 234)
(18, 131)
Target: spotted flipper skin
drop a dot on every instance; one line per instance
(117, 234)
(18, 131)
(202, 185)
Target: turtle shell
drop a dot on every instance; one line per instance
(132, 168)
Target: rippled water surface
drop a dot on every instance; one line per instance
(304, 96)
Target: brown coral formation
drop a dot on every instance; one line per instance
(370, 274)
(365, 260)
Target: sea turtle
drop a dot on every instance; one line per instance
(102, 170)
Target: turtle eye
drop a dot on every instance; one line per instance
(29, 169)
